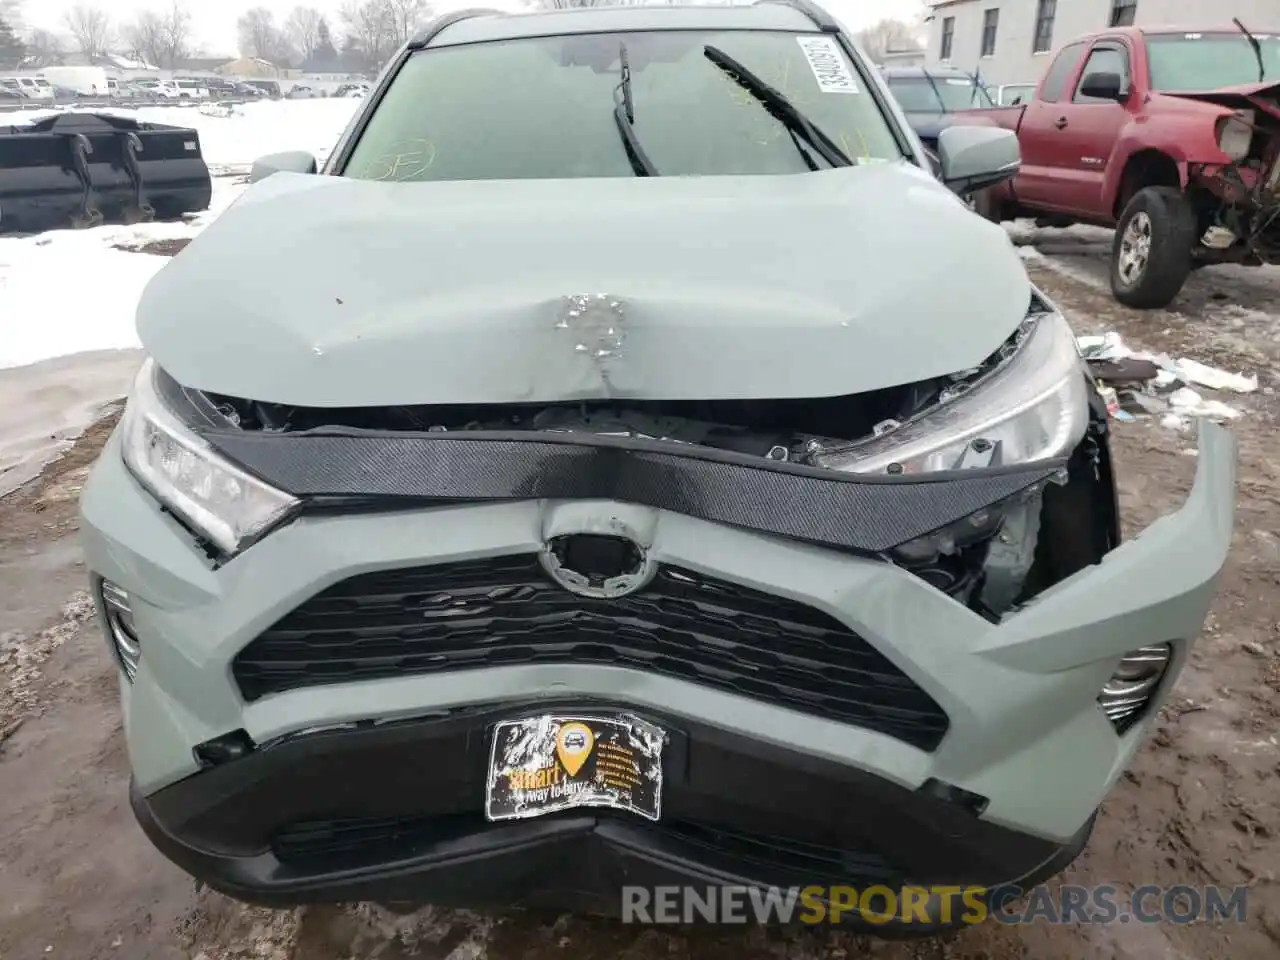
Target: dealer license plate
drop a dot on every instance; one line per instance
(540, 765)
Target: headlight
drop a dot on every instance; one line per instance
(1235, 134)
(1034, 407)
(213, 496)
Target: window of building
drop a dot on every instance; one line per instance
(948, 32)
(1060, 72)
(990, 23)
(1123, 12)
(1043, 40)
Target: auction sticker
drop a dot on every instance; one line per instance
(828, 64)
(540, 765)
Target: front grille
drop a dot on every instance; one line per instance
(505, 610)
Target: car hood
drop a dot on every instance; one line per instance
(321, 291)
(1233, 97)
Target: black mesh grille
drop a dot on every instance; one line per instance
(505, 610)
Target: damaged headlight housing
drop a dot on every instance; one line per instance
(1034, 406)
(1235, 135)
(215, 498)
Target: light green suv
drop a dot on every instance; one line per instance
(626, 461)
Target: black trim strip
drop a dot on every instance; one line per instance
(851, 511)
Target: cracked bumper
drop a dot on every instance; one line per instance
(1020, 696)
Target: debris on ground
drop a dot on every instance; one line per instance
(21, 656)
(1135, 384)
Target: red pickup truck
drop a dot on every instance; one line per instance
(1170, 136)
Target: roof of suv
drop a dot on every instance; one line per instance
(486, 25)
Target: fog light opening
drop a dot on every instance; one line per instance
(1124, 698)
(118, 615)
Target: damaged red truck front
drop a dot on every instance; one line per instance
(1171, 136)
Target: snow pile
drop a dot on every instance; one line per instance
(1169, 392)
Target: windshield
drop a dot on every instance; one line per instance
(917, 94)
(1197, 62)
(544, 108)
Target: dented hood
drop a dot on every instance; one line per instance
(322, 291)
(1233, 97)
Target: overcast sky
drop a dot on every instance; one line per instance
(214, 21)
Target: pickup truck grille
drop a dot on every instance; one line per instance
(505, 611)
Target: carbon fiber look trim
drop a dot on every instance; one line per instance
(865, 514)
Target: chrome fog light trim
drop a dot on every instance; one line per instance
(1125, 696)
(118, 615)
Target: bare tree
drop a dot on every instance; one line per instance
(11, 13)
(175, 34)
(880, 38)
(91, 28)
(160, 38)
(145, 38)
(44, 48)
(261, 38)
(303, 28)
(404, 17)
(369, 28)
(12, 50)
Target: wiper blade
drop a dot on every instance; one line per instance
(624, 115)
(1257, 48)
(783, 109)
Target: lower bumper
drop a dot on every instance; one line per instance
(392, 813)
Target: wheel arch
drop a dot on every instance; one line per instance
(1149, 167)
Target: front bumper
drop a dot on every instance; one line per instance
(1025, 733)
(386, 812)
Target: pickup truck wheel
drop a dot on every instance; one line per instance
(1151, 253)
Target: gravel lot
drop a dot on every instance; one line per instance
(1200, 806)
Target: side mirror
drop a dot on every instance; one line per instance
(973, 158)
(291, 161)
(1104, 86)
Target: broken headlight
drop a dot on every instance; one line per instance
(1235, 135)
(1032, 406)
(214, 497)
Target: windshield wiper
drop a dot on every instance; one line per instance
(624, 115)
(783, 109)
(1257, 49)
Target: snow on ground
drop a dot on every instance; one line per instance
(68, 292)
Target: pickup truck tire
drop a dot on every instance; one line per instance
(1151, 253)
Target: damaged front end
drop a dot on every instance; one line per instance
(990, 484)
(1239, 200)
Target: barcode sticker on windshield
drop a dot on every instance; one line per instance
(828, 64)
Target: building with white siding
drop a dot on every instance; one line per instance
(1010, 41)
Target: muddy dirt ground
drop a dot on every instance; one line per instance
(1200, 806)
